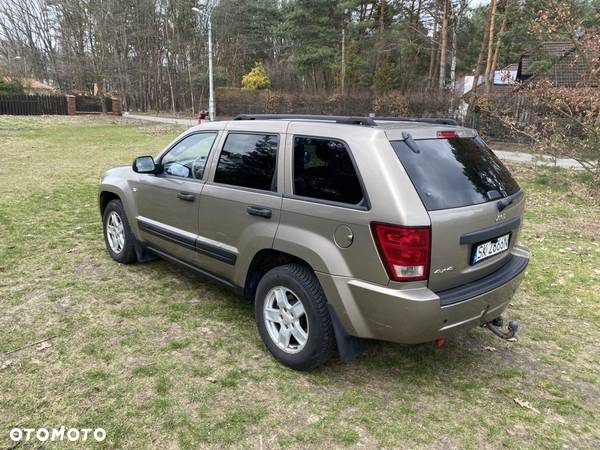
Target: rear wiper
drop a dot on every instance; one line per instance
(505, 203)
(410, 142)
(493, 195)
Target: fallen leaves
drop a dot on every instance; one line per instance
(525, 404)
(43, 346)
(6, 365)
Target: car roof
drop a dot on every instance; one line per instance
(394, 128)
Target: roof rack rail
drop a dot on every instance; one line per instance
(414, 119)
(348, 120)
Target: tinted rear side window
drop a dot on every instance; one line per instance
(455, 172)
(248, 160)
(323, 170)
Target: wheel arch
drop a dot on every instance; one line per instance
(109, 192)
(105, 198)
(263, 261)
(349, 347)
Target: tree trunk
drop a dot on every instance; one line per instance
(444, 45)
(382, 17)
(189, 71)
(477, 73)
(169, 78)
(432, 55)
(499, 44)
(455, 25)
(490, 50)
(100, 87)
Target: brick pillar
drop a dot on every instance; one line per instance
(117, 108)
(71, 108)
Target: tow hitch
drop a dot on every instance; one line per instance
(495, 326)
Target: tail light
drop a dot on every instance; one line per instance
(404, 251)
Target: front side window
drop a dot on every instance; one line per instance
(323, 170)
(248, 160)
(188, 157)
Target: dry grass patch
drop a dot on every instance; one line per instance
(162, 359)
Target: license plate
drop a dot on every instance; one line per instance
(490, 248)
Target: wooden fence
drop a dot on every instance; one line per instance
(30, 105)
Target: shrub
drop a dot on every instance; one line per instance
(387, 77)
(256, 79)
(278, 102)
(12, 87)
(392, 104)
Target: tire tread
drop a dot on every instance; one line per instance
(327, 345)
(128, 255)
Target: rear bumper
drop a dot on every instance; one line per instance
(412, 316)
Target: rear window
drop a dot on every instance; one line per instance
(323, 170)
(450, 173)
(248, 160)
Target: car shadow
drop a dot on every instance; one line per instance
(474, 351)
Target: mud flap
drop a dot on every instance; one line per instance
(349, 347)
(141, 253)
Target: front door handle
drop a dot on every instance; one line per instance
(188, 197)
(260, 212)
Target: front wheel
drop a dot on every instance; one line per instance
(292, 317)
(118, 237)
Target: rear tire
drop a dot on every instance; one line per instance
(292, 317)
(118, 237)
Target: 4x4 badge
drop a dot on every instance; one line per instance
(500, 217)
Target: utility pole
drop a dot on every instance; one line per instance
(211, 87)
(211, 91)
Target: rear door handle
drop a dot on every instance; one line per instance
(188, 197)
(260, 212)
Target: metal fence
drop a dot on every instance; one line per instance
(30, 105)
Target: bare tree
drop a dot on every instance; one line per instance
(490, 47)
(444, 44)
(482, 49)
(498, 45)
(434, 46)
(457, 17)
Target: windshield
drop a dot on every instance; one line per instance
(450, 173)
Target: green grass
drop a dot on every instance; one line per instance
(162, 359)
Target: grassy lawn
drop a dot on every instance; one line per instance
(162, 359)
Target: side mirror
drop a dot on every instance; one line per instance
(144, 164)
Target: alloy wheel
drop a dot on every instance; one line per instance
(285, 319)
(115, 232)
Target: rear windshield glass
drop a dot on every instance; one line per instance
(450, 173)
